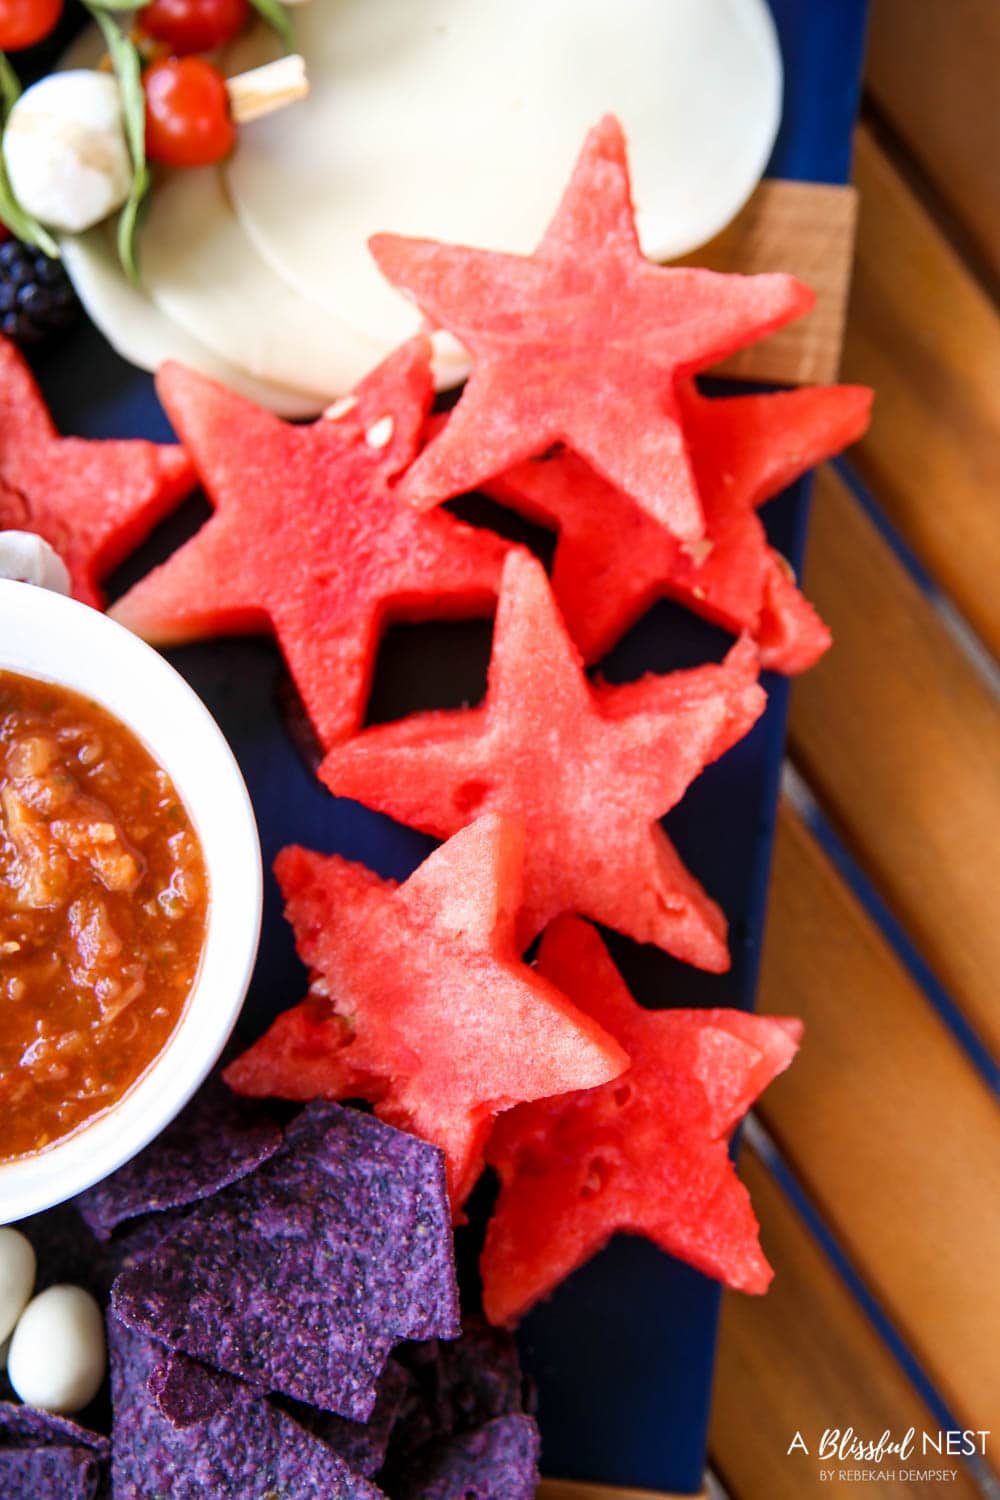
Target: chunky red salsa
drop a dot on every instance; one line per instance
(103, 907)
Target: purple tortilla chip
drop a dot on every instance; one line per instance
(214, 1141)
(243, 1447)
(26, 1430)
(140, 1237)
(469, 1380)
(362, 1445)
(67, 1251)
(302, 1277)
(49, 1474)
(496, 1462)
(455, 1387)
(29, 1427)
(186, 1391)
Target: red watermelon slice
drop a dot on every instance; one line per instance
(309, 536)
(94, 501)
(790, 634)
(646, 1154)
(612, 560)
(419, 1001)
(587, 771)
(580, 343)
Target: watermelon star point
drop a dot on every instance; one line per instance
(587, 770)
(93, 500)
(646, 1154)
(309, 537)
(612, 561)
(581, 343)
(420, 1002)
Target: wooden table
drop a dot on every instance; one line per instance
(874, 1163)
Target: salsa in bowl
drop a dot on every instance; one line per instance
(130, 890)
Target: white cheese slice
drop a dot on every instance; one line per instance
(202, 272)
(461, 119)
(139, 330)
(136, 328)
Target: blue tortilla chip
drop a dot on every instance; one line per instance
(243, 1446)
(214, 1141)
(454, 1387)
(498, 1461)
(30, 1427)
(186, 1391)
(140, 1237)
(362, 1445)
(68, 1252)
(27, 1435)
(301, 1277)
(469, 1380)
(49, 1474)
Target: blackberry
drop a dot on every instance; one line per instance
(37, 300)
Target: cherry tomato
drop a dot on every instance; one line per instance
(24, 22)
(187, 113)
(194, 25)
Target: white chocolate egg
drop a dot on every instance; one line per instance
(17, 1278)
(58, 1355)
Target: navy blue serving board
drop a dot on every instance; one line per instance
(623, 1353)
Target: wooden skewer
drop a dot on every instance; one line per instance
(263, 90)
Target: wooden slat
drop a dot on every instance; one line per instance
(933, 71)
(803, 1359)
(899, 737)
(893, 1134)
(923, 333)
(571, 1489)
(805, 228)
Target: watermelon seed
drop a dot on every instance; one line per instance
(340, 408)
(379, 434)
(598, 1172)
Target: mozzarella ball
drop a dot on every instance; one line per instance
(58, 1355)
(30, 559)
(65, 150)
(17, 1278)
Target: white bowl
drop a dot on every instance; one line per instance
(44, 635)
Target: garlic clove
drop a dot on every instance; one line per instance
(65, 150)
(29, 559)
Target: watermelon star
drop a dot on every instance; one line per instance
(419, 1002)
(580, 343)
(586, 770)
(309, 537)
(646, 1154)
(612, 560)
(94, 501)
